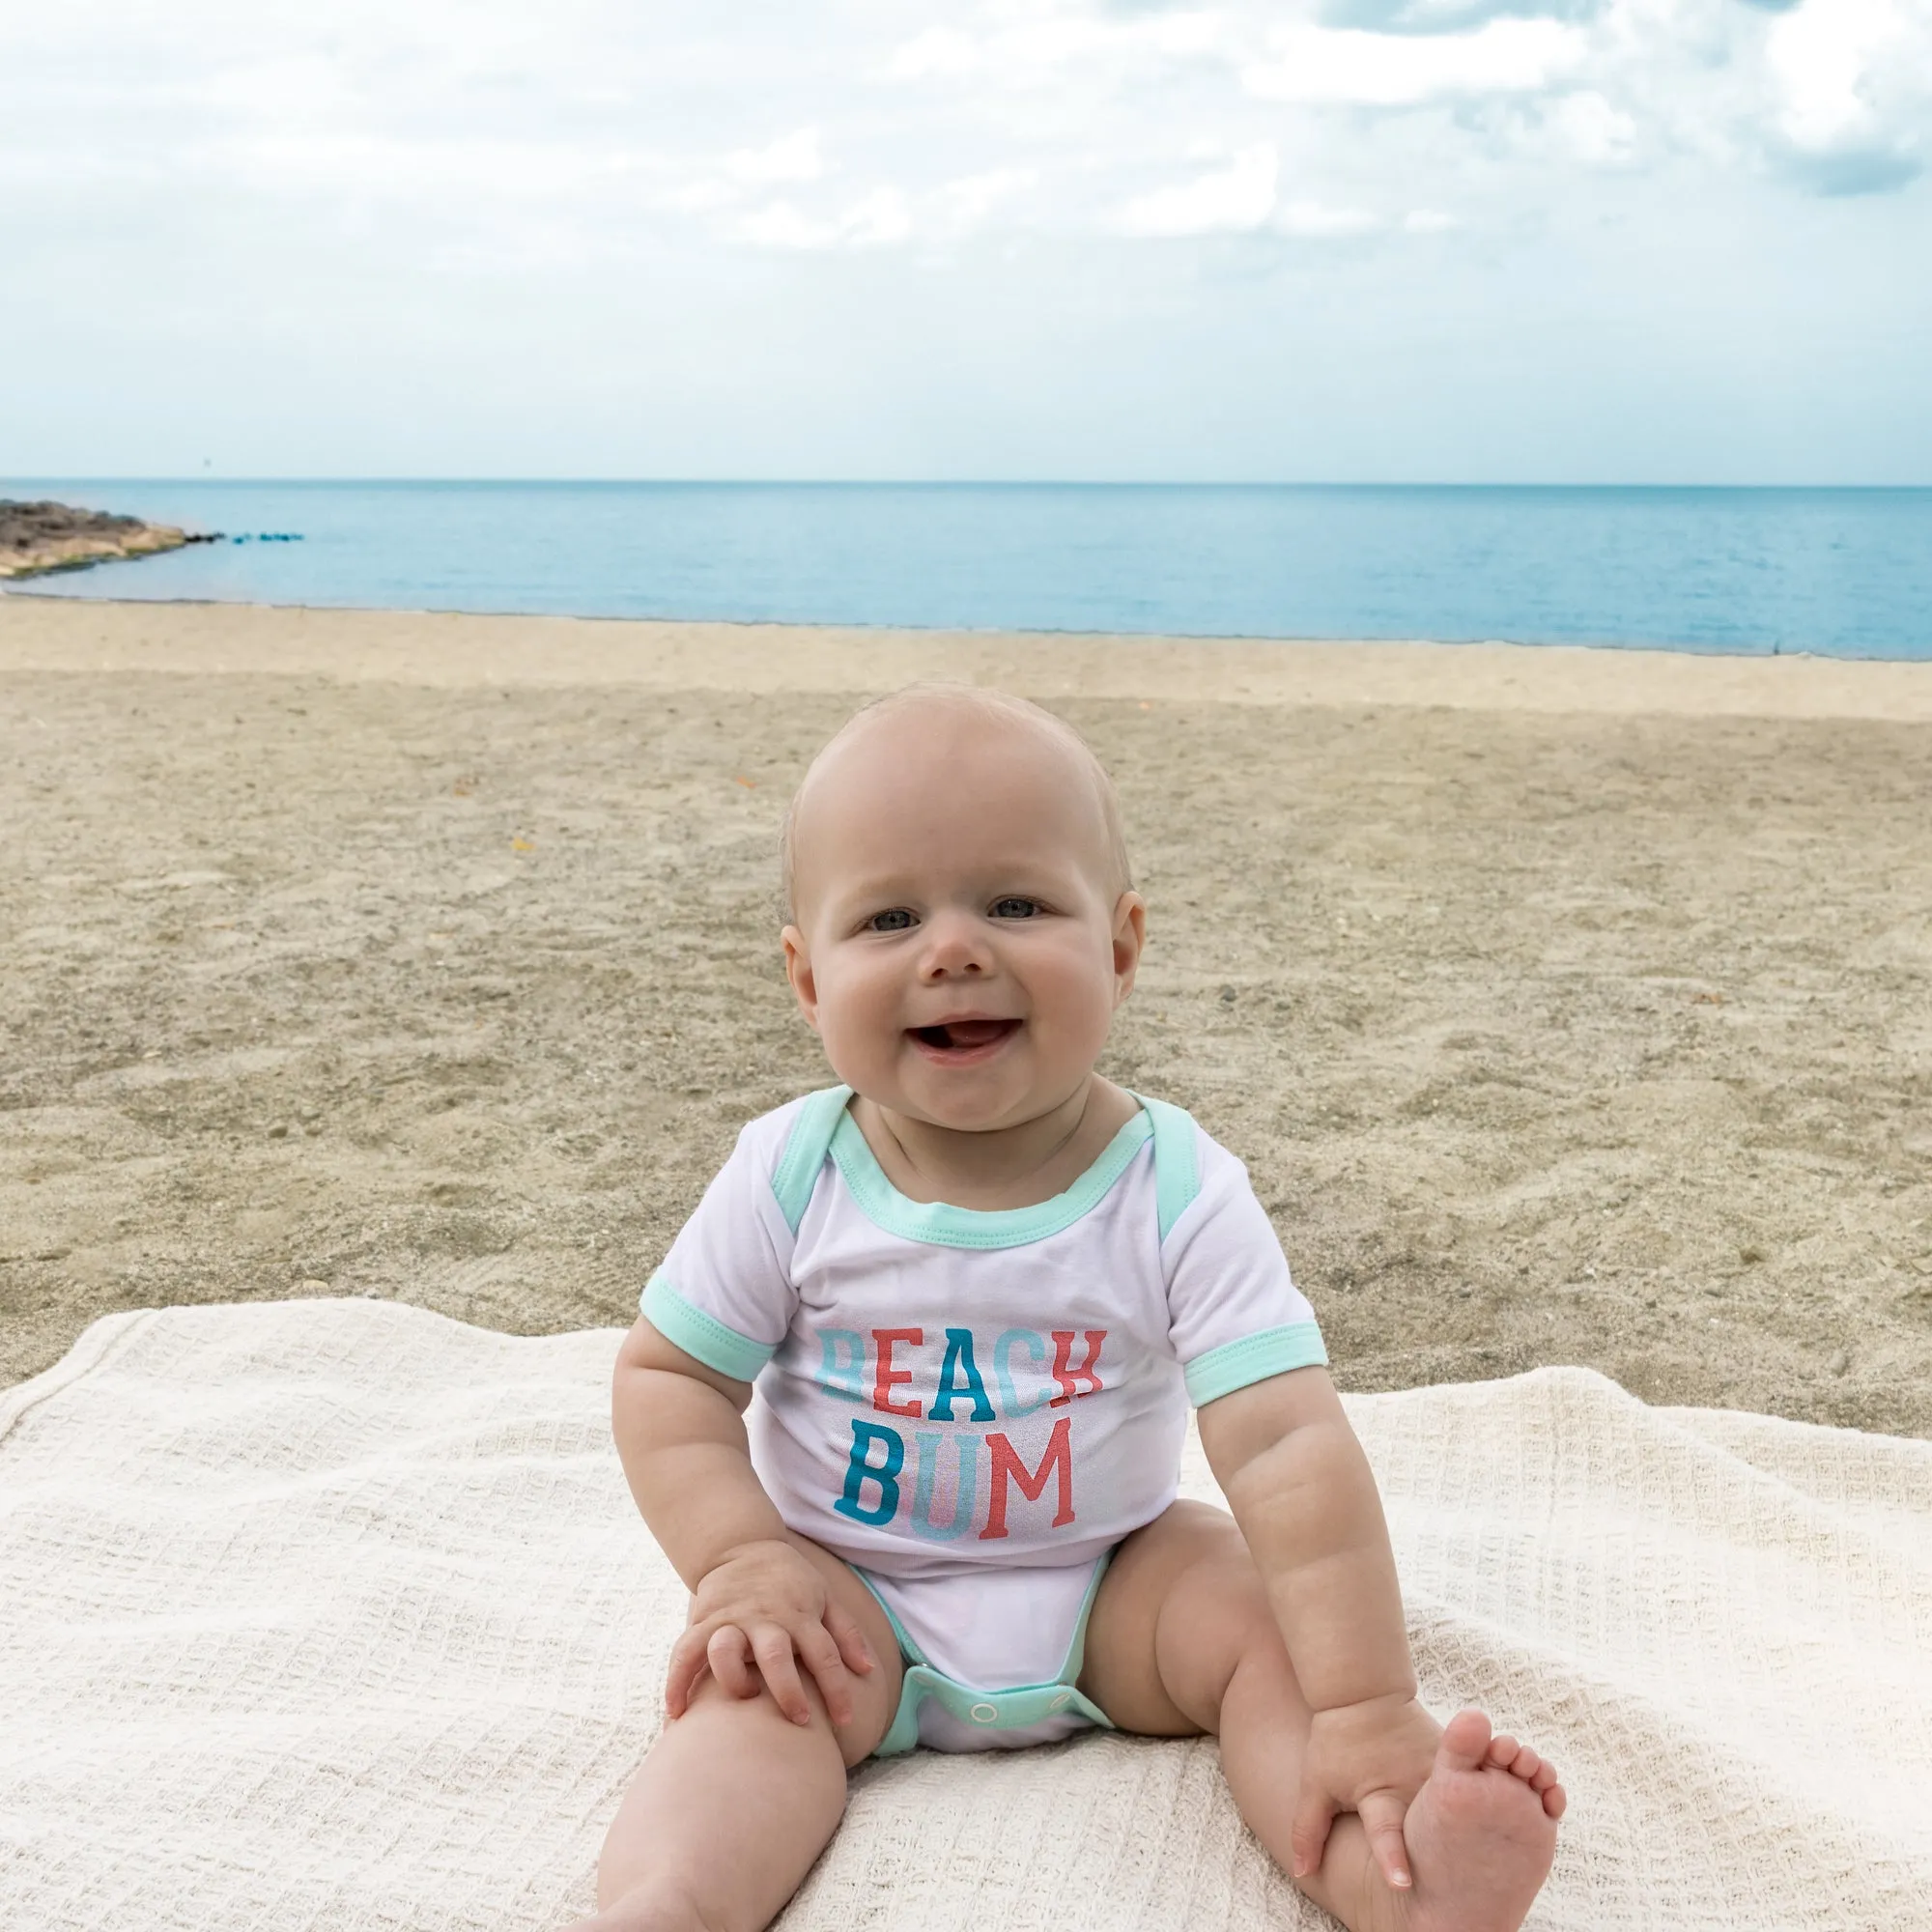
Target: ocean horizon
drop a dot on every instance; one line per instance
(1833, 571)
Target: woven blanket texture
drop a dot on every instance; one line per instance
(338, 1615)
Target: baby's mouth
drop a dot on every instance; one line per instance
(957, 1040)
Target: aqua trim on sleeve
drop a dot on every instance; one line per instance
(797, 1171)
(944, 1226)
(1176, 1166)
(1254, 1358)
(702, 1335)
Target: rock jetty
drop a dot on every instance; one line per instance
(36, 537)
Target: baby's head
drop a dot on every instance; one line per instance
(962, 926)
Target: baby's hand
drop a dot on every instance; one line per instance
(1370, 1758)
(757, 1611)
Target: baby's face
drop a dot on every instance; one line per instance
(961, 941)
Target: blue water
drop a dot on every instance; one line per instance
(1844, 572)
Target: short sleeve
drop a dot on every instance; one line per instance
(724, 1291)
(1234, 1315)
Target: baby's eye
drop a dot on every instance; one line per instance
(1015, 908)
(895, 920)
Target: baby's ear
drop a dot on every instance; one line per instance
(798, 970)
(1130, 937)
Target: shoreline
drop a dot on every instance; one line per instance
(456, 650)
(1037, 634)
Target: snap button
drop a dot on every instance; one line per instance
(985, 1714)
(1060, 1702)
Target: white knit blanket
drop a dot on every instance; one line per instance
(337, 1614)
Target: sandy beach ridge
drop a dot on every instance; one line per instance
(446, 649)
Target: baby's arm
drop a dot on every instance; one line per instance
(756, 1602)
(1303, 1495)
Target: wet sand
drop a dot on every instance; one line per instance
(1567, 1007)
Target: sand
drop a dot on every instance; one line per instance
(1567, 1006)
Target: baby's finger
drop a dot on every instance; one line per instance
(820, 1656)
(848, 1637)
(771, 1645)
(725, 1655)
(1381, 1816)
(1309, 1839)
(682, 1672)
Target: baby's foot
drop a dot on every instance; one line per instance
(1481, 1833)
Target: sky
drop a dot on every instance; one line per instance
(1482, 240)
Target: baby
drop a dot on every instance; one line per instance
(906, 1401)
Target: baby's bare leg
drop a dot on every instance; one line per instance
(1183, 1640)
(734, 1801)
(723, 1820)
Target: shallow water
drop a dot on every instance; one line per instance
(1843, 573)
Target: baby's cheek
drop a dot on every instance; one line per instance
(1082, 1007)
(848, 1005)
(858, 1040)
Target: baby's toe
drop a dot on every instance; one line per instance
(1525, 1764)
(1465, 1743)
(1544, 1777)
(1502, 1750)
(1556, 1801)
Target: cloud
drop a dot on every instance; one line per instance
(1852, 86)
(1031, 49)
(880, 219)
(1322, 65)
(1867, 171)
(939, 53)
(970, 201)
(1241, 198)
(1445, 17)
(781, 225)
(794, 158)
(886, 216)
(1316, 221)
(457, 134)
(377, 167)
(1058, 202)
(1586, 126)
(1237, 197)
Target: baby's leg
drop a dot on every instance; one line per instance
(734, 1801)
(1183, 1640)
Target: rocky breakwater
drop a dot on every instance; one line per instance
(37, 537)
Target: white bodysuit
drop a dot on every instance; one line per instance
(973, 1408)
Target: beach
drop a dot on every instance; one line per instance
(1567, 1006)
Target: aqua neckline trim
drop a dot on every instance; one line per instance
(804, 1157)
(942, 1224)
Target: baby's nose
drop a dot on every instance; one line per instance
(953, 945)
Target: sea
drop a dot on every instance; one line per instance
(1832, 572)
